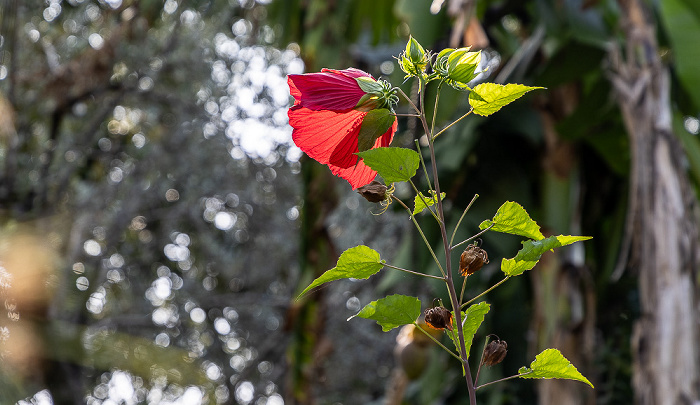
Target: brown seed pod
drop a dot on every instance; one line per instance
(472, 259)
(439, 318)
(373, 192)
(495, 352)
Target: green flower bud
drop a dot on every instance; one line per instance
(414, 59)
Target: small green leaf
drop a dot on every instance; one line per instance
(358, 262)
(393, 164)
(419, 205)
(392, 311)
(532, 250)
(472, 319)
(374, 125)
(487, 98)
(552, 364)
(512, 218)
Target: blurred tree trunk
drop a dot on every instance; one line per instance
(662, 223)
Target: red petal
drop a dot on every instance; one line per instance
(318, 133)
(335, 90)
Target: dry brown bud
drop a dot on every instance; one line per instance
(438, 318)
(472, 259)
(373, 192)
(495, 352)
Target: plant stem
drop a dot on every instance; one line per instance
(446, 245)
(413, 272)
(481, 362)
(438, 342)
(503, 379)
(454, 122)
(485, 292)
(422, 162)
(421, 234)
(454, 232)
(409, 100)
(422, 197)
(473, 237)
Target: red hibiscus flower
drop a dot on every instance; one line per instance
(329, 110)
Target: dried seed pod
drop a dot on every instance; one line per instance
(495, 352)
(373, 192)
(472, 259)
(439, 318)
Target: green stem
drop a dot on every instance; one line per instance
(422, 197)
(421, 234)
(435, 108)
(485, 292)
(413, 272)
(454, 232)
(503, 379)
(438, 342)
(448, 261)
(454, 122)
(408, 99)
(481, 362)
(473, 237)
(422, 162)
(406, 115)
(464, 286)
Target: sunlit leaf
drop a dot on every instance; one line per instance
(487, 98)
(471, 320)
(512, 218)
(552, 364)
(374, 125)
(393, 164)
(532, 250)
(419, 204)
(358, 262)
(392, 311)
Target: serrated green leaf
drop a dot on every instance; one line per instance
(419, 205)
(472, 318)
(512, 218)
(552, 364)
(358, 262)
(393, 164)
(374, 125)
(392, 311)
(487, 98)
(532, 250)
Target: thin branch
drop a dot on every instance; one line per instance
(485, 292)
(454, 232)
(502, 379)
(454, 122)
(409, 100)
(422, 197)
(453, 354)
(473, 237)
(421, 234)
(413, 272)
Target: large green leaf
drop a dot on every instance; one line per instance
(487, 98)
(420, 203)
(357, 262)
(374, 125)
(472, 318)
(392, 311)
(552, 364)
(512, 218)
(682, 22)
(393, 164)
(532, 250)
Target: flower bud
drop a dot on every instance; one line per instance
(439, 318)
(373, 192)
(472, 259)
(413, 60)
(495, 352)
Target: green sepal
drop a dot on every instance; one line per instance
(532, 251)
(392, 311)
(462, 65)
(393, 164)
(374, 125)
(357, 262)
(369, 85)
(552, 364)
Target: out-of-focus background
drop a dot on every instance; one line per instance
(157, 223)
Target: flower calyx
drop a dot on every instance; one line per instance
(494, 352)
(457, 67)
(438, 318)
(378, 94)
(472, 259)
